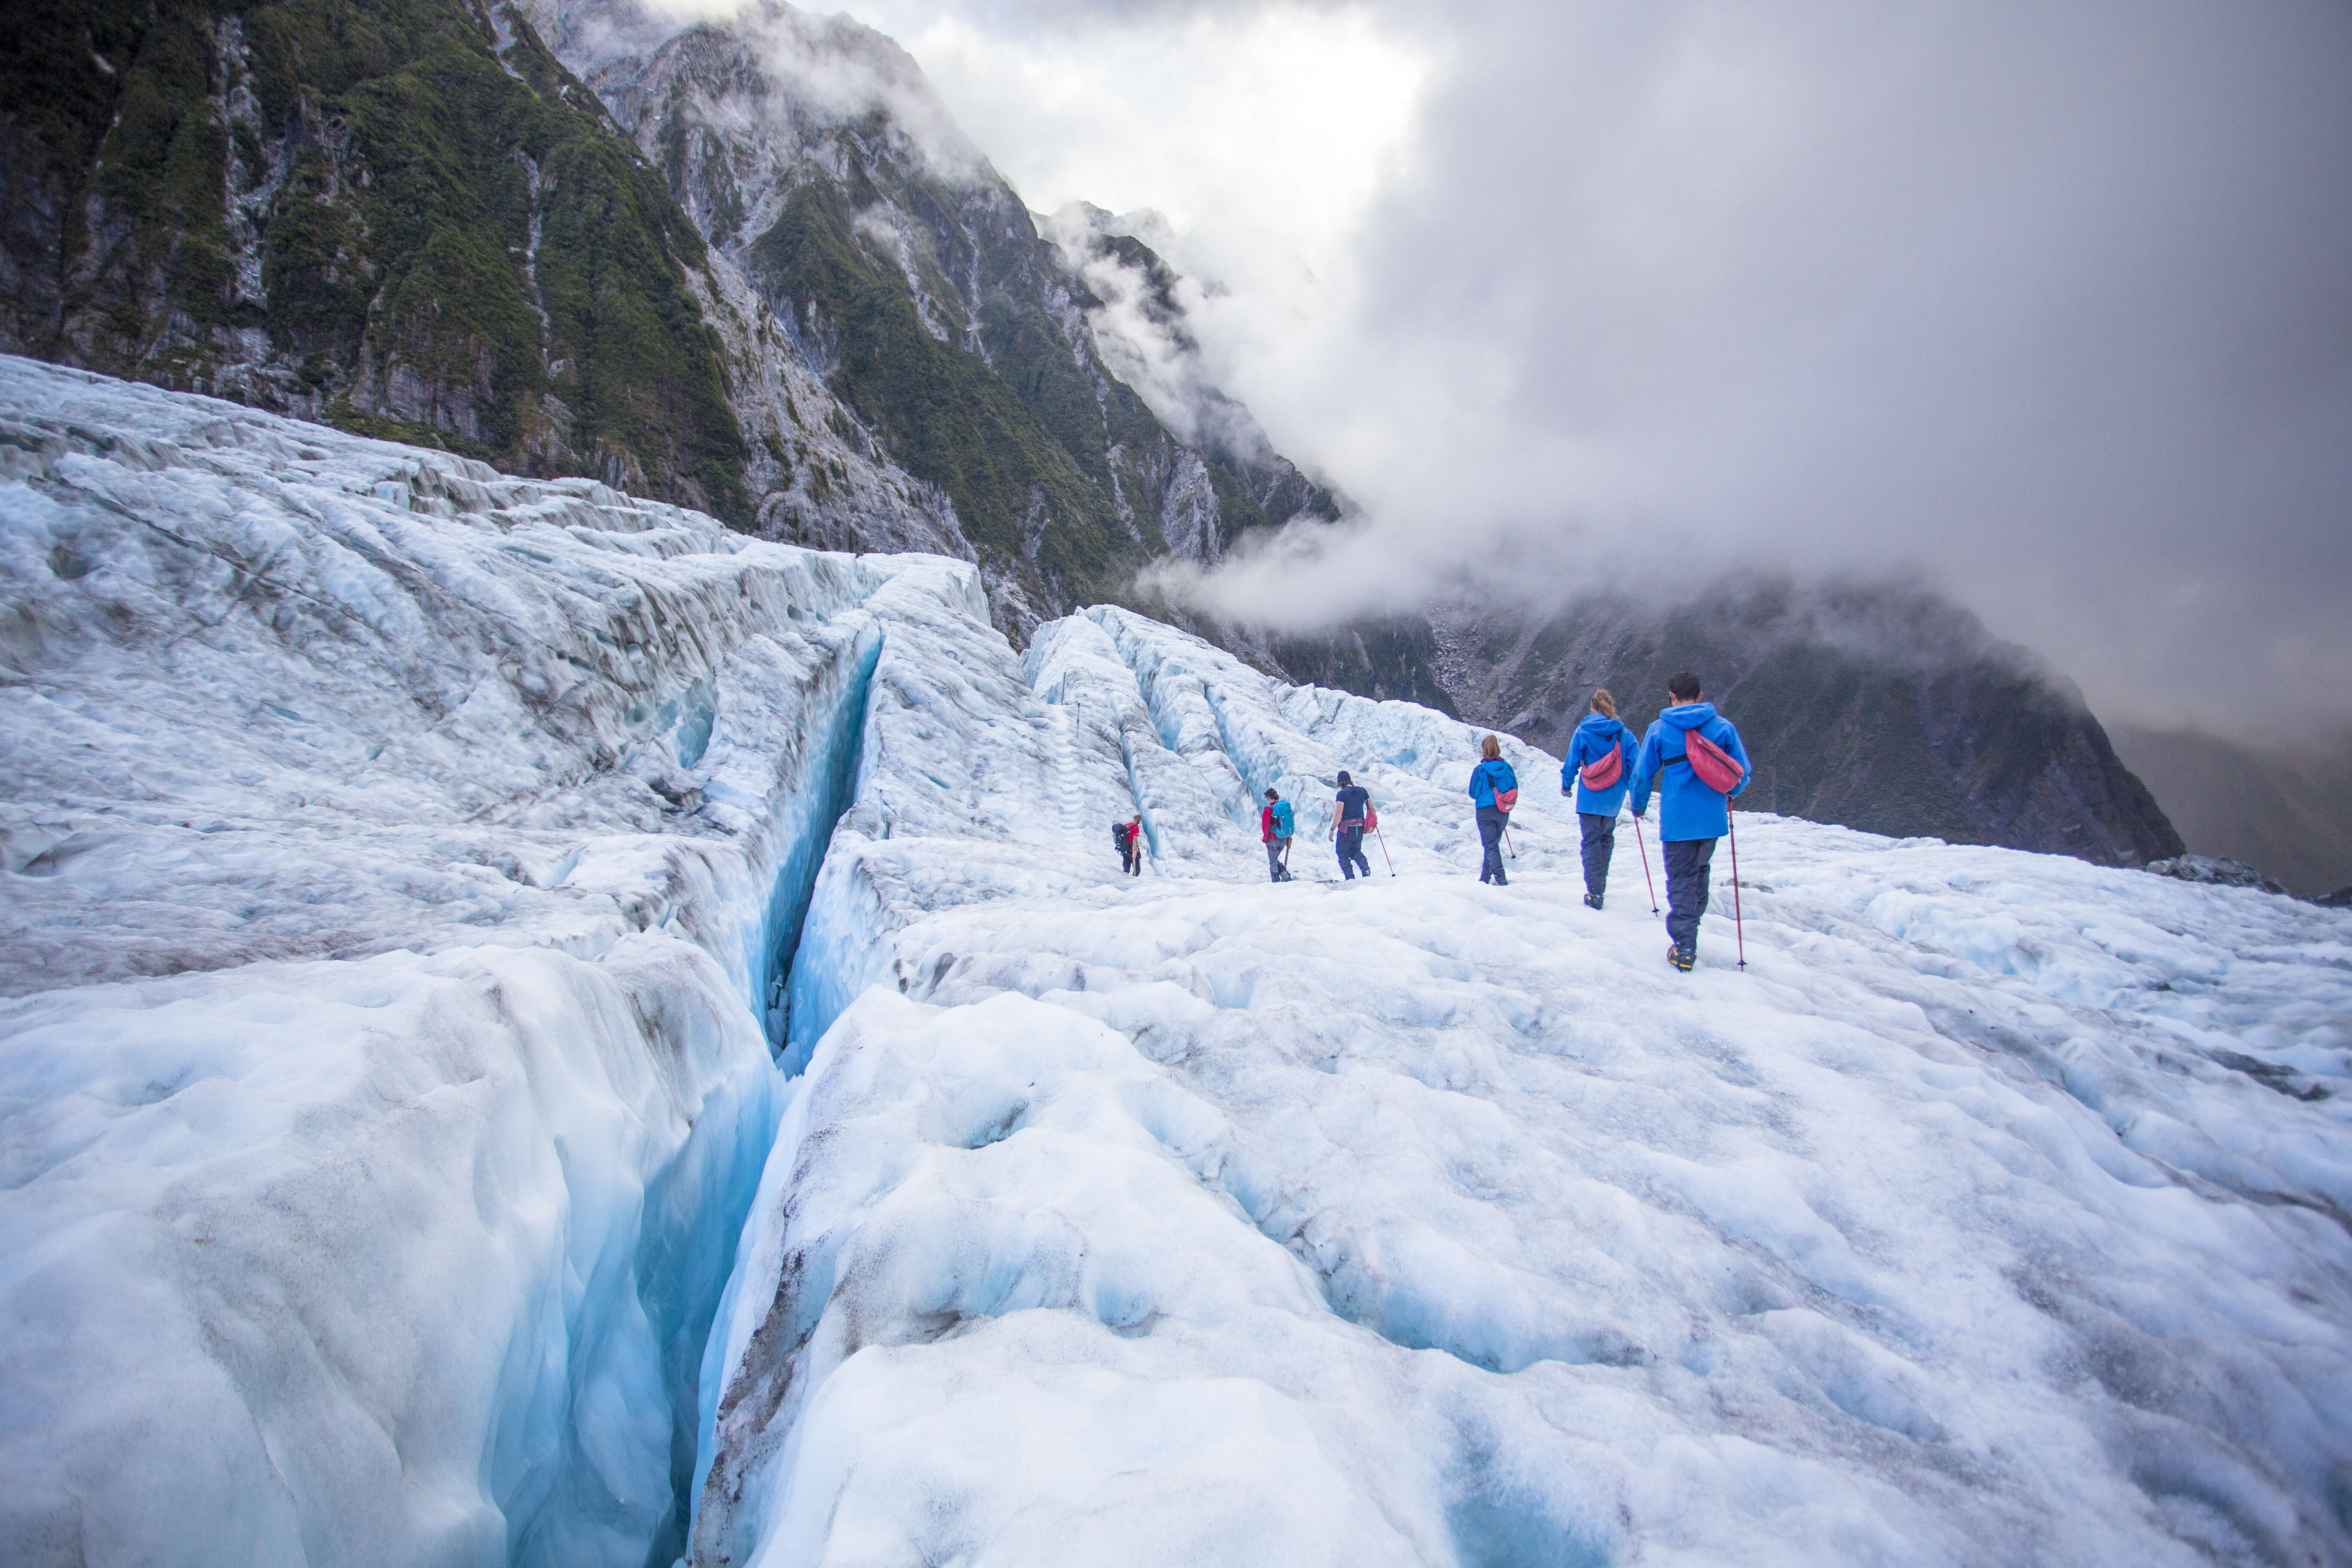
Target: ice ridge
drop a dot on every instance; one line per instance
(401, 863)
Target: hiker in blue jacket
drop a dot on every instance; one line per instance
(1691, 814)
(1599, 739)
(1492, 789)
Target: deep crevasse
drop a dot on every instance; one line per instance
(468, 821)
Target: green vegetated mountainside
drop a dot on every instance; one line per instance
(404, 218)
(750, 268)
(1884, 708)
(2284, 809)
(906, 272)
(1021, 485)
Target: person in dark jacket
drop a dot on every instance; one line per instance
(1595, 741)
(1274, 822)
(1490, 781)
(1691, 814)
(1348, 826)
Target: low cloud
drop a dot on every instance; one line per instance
(2052, 306)
(832, 70)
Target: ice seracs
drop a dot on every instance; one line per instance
(467, 935)
(401, 865)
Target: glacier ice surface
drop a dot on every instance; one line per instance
(401, 861)
(428, 921)
(1997, 1212)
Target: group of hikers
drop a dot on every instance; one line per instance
(1354, 817)
(1691, 758)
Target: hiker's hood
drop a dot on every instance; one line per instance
(1688, 715)
(1602, 724)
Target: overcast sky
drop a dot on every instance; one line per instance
(2052, 304)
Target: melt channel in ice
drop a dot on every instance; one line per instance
(366, 1106)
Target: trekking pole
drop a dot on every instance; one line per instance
(1384, 849)
(1506, 840)
(1644, 851)
(1737, 930)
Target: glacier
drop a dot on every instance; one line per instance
(536, 1029)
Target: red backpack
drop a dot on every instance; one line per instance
(1603, 772)
(1716, 767)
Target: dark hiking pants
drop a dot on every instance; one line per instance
(1351, 849)
(1687, 863)
(1492, 820)
(1275, 867)
(1600, 844)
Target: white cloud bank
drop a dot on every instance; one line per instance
(2051, 304)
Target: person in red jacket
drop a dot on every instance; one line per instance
(1129, 838)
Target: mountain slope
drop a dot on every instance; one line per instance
(901, 268)
(2285, 809)
(757, 270)
(395, 216)
(797, 298)
(1885, 710)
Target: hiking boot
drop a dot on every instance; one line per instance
(1591, 900)
(1681, 958)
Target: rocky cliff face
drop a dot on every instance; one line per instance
(898, 266)
(404, 219)
(2284, 809)
(756, 269)
(1885, 708)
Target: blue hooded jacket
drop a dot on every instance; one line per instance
(1591, 742)
(1489, 776)
(1686, 807)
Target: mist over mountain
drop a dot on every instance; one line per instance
(1879, 706)
(756, 268)
(898, 266)
(752, 267)
(2284, 809)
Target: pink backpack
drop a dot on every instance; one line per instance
(1716, 767)
(1603, 772)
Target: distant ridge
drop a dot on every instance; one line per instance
(1883, 707)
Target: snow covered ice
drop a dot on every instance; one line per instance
(411, 872)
